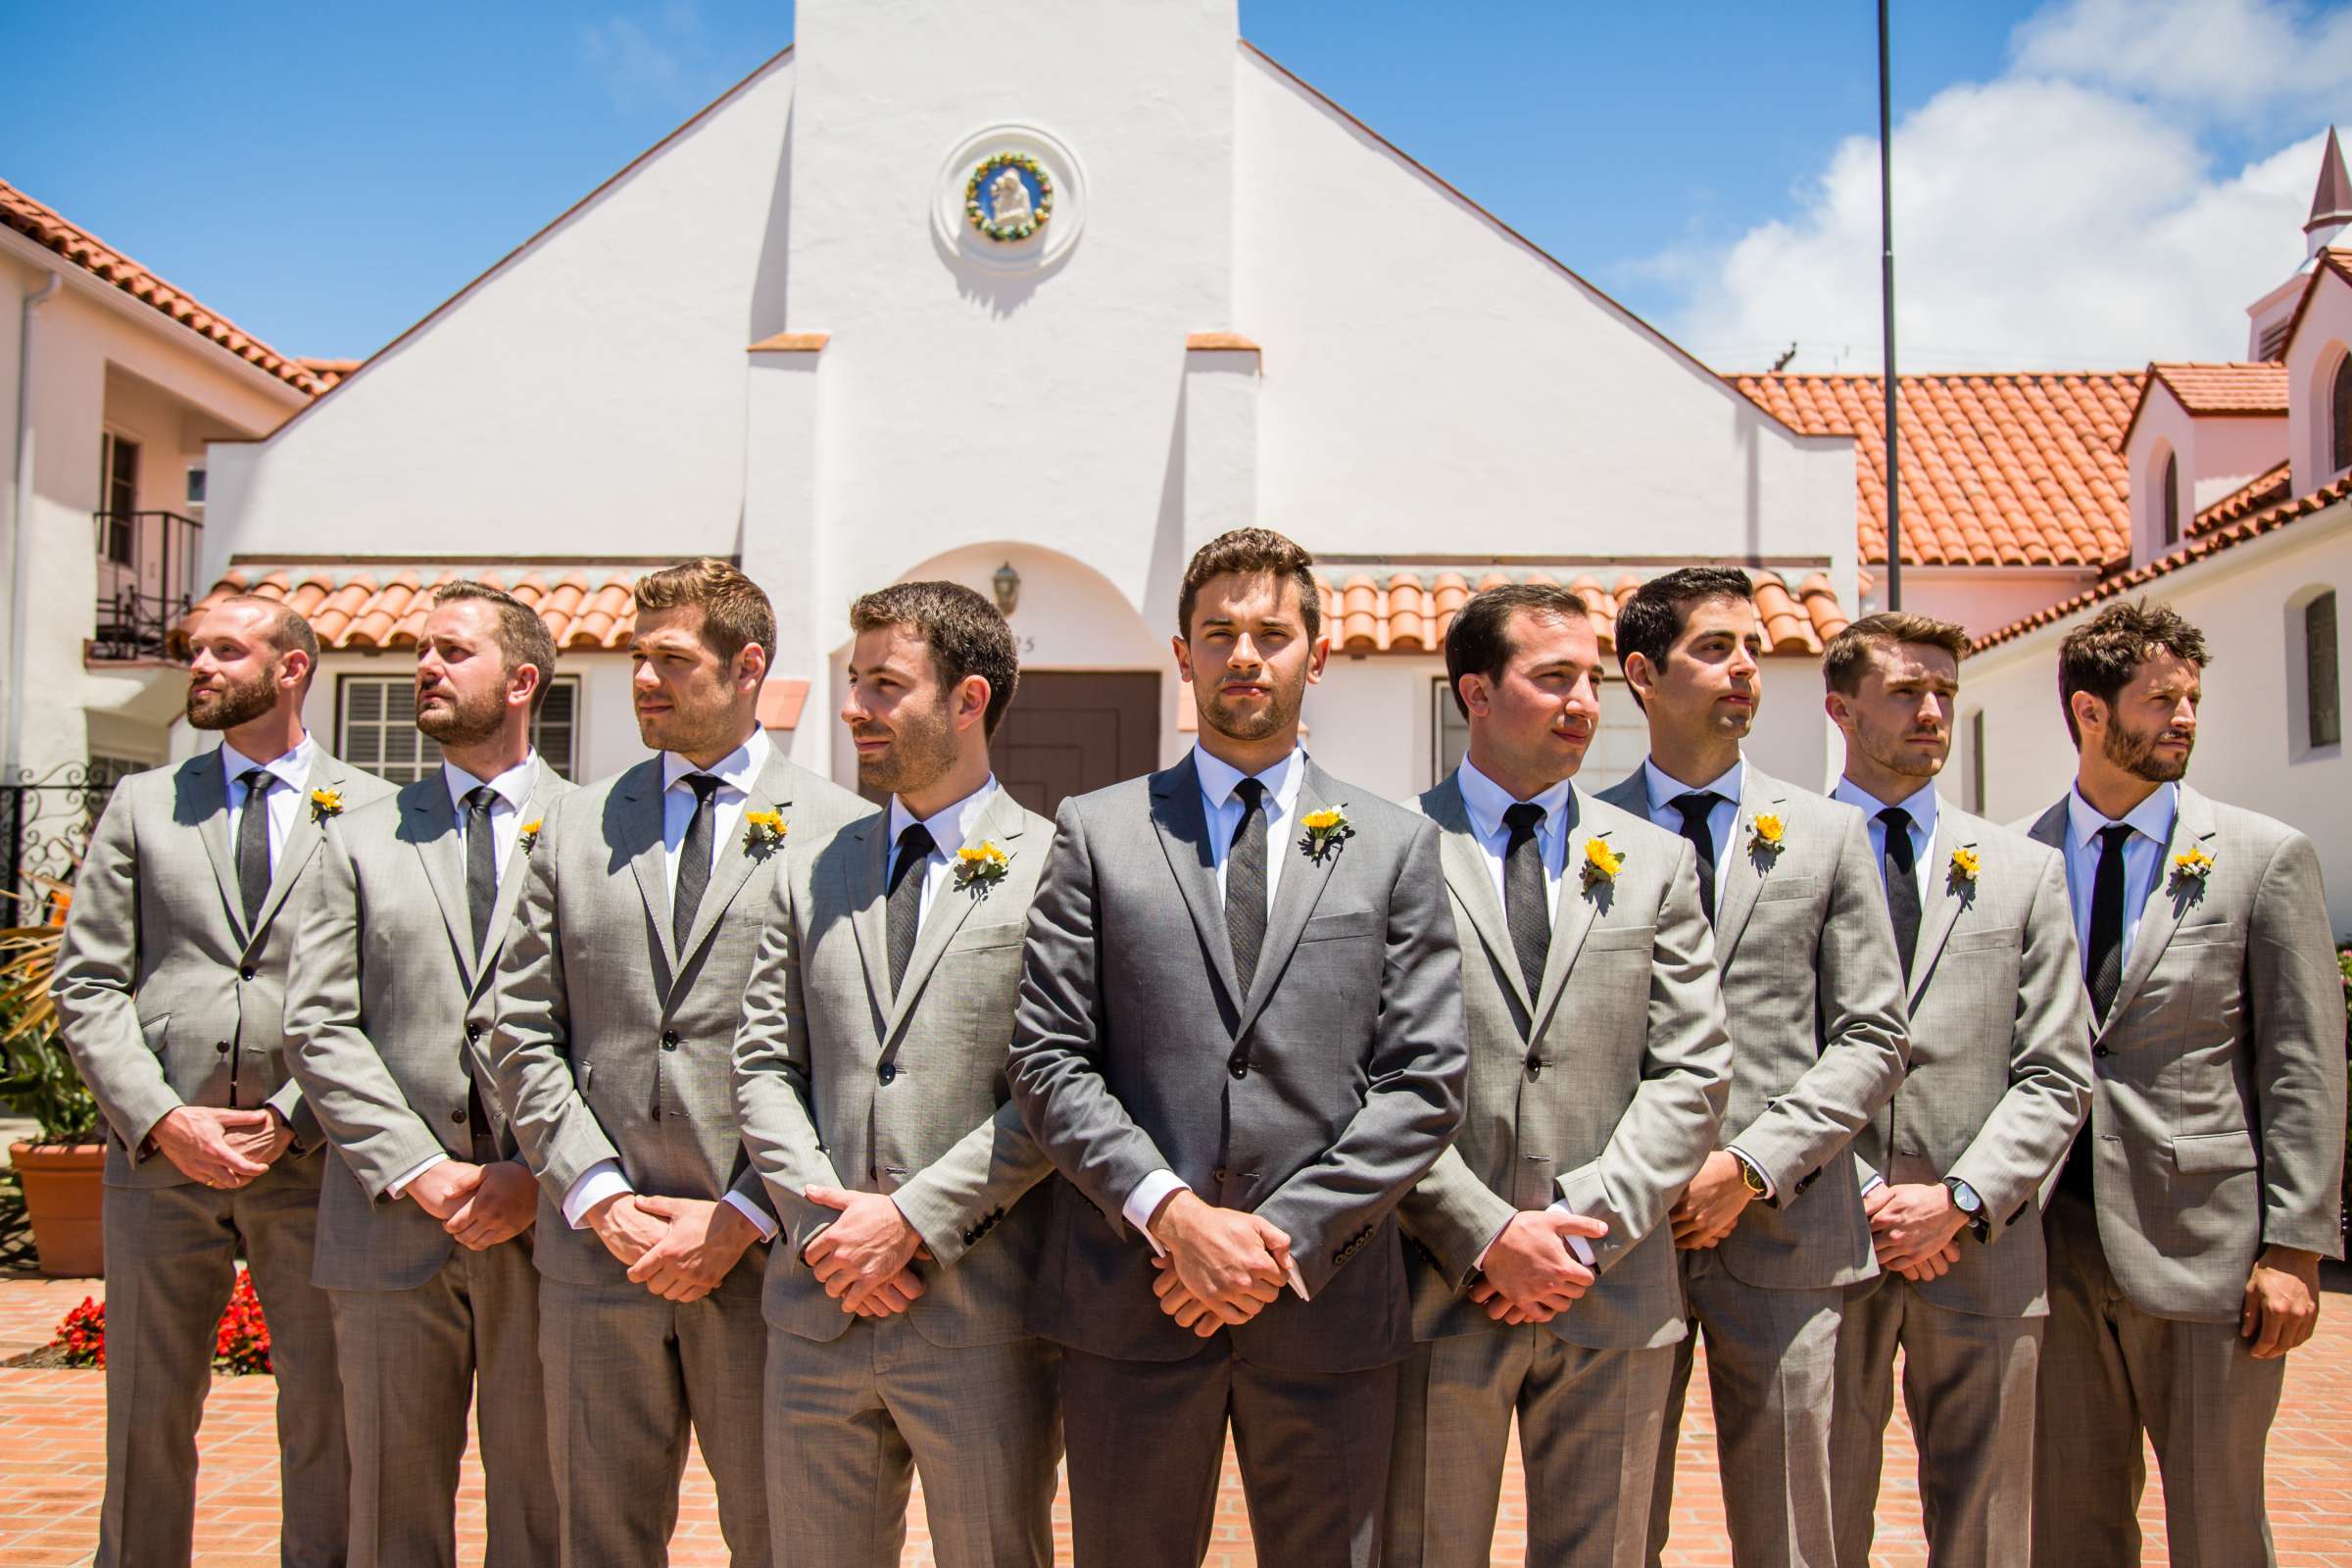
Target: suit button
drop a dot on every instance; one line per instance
(669, 1040)
(1218, 1175)
(2098, 1050)
(474, 1032)
(458, 1115)
(1535, 1066)
(223, 1047)
(890, 1071)
(1238, 1067)
(246, 973)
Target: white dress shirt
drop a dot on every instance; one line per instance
(1485, 801)
(513, 789)
(288, 774)
(1663, 790)
(737, 772)
(1921, 803)
(950, 828)
(2151, 822)
(1222, 809)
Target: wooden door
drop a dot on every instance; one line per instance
(1071, 731)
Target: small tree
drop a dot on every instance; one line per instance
(38, 1078)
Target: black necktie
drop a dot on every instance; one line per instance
(1246, 883)
(253, 844)
(2103, 965)
(1524, 908)
(1900, 868)
(906, 898)
(1697, 807)
(694, 861)
(481, 861)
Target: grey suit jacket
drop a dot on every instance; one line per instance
(610, 1044)
(166, 997)
(387, 1013)
(1604, 1089)
(839, 1084)
(1316, 1098)
(2219, 1108)
(2000, 1057)
(1819, 1040)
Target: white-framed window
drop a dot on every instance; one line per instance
(2315, 687)
(376, 728)
(1617, 749)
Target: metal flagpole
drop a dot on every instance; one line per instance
(1894, 511)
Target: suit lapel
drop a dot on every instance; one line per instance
(433, 828)
(1000, 820)
(2161, 915)
(868, 913)
(1295, 896)
(1739, 875)
(1182, 823)
(1945, 904)
(302, 841)
(205, 787)
(1464, 861)
(1571, 922)
(642, 788)
(771, 791)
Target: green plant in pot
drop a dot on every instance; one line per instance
(62, 1172)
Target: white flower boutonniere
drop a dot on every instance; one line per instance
(981, 867)
(763, 832)
(325, 804)
(1326, 831)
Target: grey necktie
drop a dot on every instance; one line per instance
(905, 912)
(1900, 868)
(1697, 807)
(1246, 883)
(1523, 902)
(253, 844)
(481, 861)
(694, 861)
(2103, 967)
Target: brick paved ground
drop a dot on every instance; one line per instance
(52, 1464)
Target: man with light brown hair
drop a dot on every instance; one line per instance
(617, 999)
(1951, 1169)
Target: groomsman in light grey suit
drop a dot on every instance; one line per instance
(1999, 1079)
(617, 997)
(171, 990)
(869, 1079)
(1543, 1278)
(1772, 1227)
(1240, 1039)
(421, 1218)
(2189, 1220)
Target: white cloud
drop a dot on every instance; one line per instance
(2248, 57)
(2064, 214)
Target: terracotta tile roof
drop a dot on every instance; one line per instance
(51, 230)
(1407, 613)
(2211, 541)
(327, 372)
(2263, 490)
(585, 611)
(2020, 469)
(2232, 387)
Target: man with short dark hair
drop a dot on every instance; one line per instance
(423, 1248)
(1999, 1079)
(170, 995)
(1544, 1285)
(869, 1079)
(2185, 1233)
(1240, 1039)
(1772, 1228)
(617, 997)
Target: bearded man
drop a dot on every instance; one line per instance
(170, 992)
(2186, 1233)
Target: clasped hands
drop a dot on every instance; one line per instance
(1217, 1266)
(481, 1205)
(1529, 1275)
(677, 1248)
(221, 1148)
(863, 1259)
(1915, 1228)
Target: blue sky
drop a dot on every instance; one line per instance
(326, 176)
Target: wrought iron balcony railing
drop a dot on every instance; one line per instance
(146, 581)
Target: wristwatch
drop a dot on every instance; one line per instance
(1965, 1200)
(1753, 1177)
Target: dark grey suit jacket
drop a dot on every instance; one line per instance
(166, 997)
(387, 1014)
(1315, 1100)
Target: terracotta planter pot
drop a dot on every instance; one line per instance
(65, 1195)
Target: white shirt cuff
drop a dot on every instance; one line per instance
(400, 1184)
(1770, 1189)
(1577, 1247)
(597, 1183)
(1143, 1202)
(1875, 1182)
(761, 1221)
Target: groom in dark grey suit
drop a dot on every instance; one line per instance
(1240, 1098)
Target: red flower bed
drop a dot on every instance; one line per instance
(242, 1344)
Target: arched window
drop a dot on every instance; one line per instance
(2172, 499)
(2339, 415)
(2323, 687)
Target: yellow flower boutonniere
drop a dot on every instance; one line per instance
(529, 838)
(1326, 831)
(2190, 868)
(1601, 864)
(1765, 836)
(1961, 876)
(325, 804)
(980, 867)
(763, 831)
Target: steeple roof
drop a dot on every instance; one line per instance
(2331, 201)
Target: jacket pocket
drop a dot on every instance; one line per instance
(1796, 887)
(155, 1031)
(2202, 1153)
(1346, 923)
(1994, 939)
(1624, 936)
